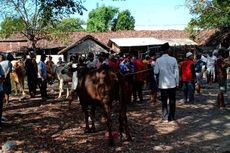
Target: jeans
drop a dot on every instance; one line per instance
(43, 86)
(168, 114)
(189, 89)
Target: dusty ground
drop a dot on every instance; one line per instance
(36, 126)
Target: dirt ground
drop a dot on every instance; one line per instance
(34, 126)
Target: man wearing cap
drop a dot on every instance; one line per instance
(188, 77)
(166, 68)
(42, 77)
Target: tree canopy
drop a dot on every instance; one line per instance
(11, 25)
(107, 18)
(209, 13)
(124, 21)
(100, 19)
(38, 16)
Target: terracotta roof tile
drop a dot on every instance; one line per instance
(103, 37)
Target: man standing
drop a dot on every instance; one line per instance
(138, 79)
(42, 77)
(167, 69)
(31, 73)
(198, 69)
(211, 61)
(2, 78)
(222, 78)
(7, 68)
(49, 66)
(188, 77)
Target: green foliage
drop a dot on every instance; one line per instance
(39, 16)
(124, 21)
(100, 19)
(192, 29)
(11, 25)
(69, 25)
(62, 29)
(103, 19)
(210, 13)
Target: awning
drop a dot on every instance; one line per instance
(130, 42)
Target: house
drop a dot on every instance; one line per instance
(83, 46)
(139, 46)
(211, 39)
(108, 41)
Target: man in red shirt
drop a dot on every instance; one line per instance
(188, 77)
(138, 79)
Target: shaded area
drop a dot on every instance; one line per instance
(51, 127)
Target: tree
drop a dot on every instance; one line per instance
(107, 18)
(39, 16)
(124, 21)
(192, 29)
(11, 25)
(100, 19)
(210, 13)
(69, 25)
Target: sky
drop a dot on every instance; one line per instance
(148, 14)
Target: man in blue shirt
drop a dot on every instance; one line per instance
(42, 77)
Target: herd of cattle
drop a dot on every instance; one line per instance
(95, 87)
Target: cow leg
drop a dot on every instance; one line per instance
(125, 124)
(122, 115)
(107, 109)
(93, 109)
(23, 88)
(61, 84)
(67, 91)
(87, 129)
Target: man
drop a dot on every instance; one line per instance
(188, 77)
(198, 69)
(211, 61)
(31, 73)
(7, 68)
(127, 69)
(49, 66)
(60, 62)
(166, 68)
(2, 78)
(138, 79)
(42, 77)
(221, 67)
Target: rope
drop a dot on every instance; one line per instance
(142, 71)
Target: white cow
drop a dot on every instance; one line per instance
(64, 78)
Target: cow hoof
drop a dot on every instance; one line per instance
(87, 131)
(111, 143)
(92, 130)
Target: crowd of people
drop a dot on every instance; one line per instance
(163, 74)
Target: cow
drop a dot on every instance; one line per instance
(17, 76)
(63, 75)
(102, 86)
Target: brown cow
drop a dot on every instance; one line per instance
(102, 86)
(17, 76)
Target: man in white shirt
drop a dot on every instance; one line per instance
(211, 62)
(166, 68)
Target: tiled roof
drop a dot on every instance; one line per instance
(83, 39)
(102, 37)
